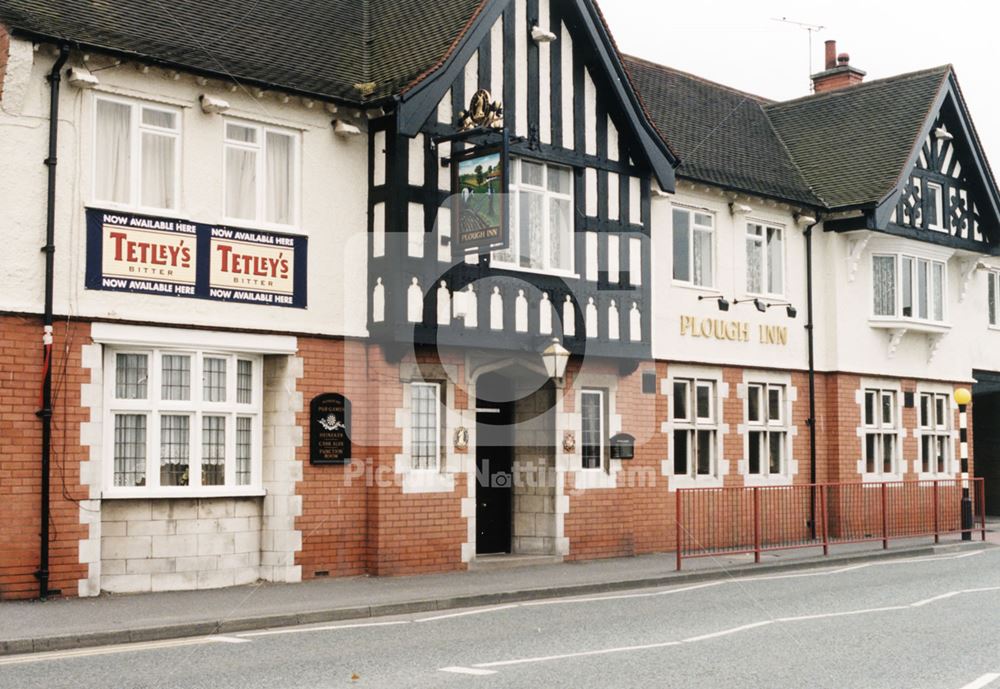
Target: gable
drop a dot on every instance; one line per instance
(570, 94)
(948, 189)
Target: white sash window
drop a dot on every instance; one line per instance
(695, 417)
(694, 247)
(936, 444)
(881, 432)
(767, 428)
(260, 175)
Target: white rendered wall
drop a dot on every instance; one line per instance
(333, 173)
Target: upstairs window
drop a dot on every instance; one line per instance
(541, 212)
(935, 206)
(183, 422)
(935, 433)
(694, 247)
(992, 285)
(881, 431)
(261, 184)
(908, 287)
(136, 154)
(765, 260)
(695, 418)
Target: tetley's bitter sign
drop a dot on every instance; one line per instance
(167, 256)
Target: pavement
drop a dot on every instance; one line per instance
(912, 622)
(34, 626)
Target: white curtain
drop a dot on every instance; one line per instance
(775, 261)
(703, 260)
(560, 233)
(755, 260)
(158, 165)
(884, 283)
(280, 174)
(114, 152)
(532, 244)
(175, 450)
(241, 183)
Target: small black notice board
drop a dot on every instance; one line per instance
(330, 429)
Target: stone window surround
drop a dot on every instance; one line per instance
(751, 376)
(901, 461)
(677, 371)
(605, 476)
(280, 539)
(954, 467)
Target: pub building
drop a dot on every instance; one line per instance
(393, 288)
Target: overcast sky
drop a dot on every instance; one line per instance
(737, 43)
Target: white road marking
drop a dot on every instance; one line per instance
(107, 650)
(468, 670)
(477, 611)
(978, 684)
(983, 681)
(301, 630)
(230, 640)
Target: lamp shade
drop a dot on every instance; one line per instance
(555, 357)
(962, 396)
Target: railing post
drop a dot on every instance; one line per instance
(937, 526)
(756, 524)
(826, 522)
(885, 516)
(981, 492)
(677, 525)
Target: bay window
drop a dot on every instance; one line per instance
(881, 431)
(260, 179)
(765, 260)
(695, 422)
(694, 247)
(908, 287)
(136, 152)
(182, 422)
(935, 433)
(767, 429)
(541, 212)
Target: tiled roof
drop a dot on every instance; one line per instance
(322, 47)
(722, 136)
(852, 144)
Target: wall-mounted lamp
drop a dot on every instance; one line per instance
(740, 208)
(81, 79)
(540, 35)
(555, 357)
(211, 105)
(763, 306)
(805, 220)
(723, 302)
(345, 129)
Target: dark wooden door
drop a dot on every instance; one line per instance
(494, 465)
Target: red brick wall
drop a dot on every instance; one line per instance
(20, 456)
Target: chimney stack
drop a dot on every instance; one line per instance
(837, 73)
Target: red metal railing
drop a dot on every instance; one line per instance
(741, 520)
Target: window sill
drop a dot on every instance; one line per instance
(762, 480)
(714, 291)
(255, 226)
(112, 207)
(185, 494)
(876, 479)
(911, 325)
(676, 481)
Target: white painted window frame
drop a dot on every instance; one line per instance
(880, 428)
(436, 387)
(692, 228)
(514, 217)
(260, 148)
(153, 407)
(936, 191)
(136, 129)
(897, 315)
(945, 430)
(769, 427)
(761, 240)
(694, 423)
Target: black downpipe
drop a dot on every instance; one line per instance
(45, 413)
(811, 422)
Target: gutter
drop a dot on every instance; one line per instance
(45, 412)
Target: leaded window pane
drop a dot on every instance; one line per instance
(244, 450)
(424, 427)
(175, 450)
(884, 280)
(244, 381)
(592, 435)
(176, 379)
(213, 450)
(214, 379)
(131, 376)
(532, 230)
(130, 450)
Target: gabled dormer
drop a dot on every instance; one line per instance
(583, 161)
(898, 156)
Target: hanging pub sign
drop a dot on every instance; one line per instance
(479, 199)
(330, 429)
(172, 257)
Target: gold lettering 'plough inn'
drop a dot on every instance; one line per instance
(362, 306)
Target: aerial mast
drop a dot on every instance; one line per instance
(810, 29)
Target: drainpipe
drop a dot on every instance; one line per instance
(811, 422)
(45, 413)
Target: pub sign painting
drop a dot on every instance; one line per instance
(330, 429)
(174, 257)
(479, 200)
